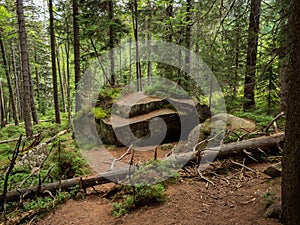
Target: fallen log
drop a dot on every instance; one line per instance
(16, 139)
(231, 149)
(64, 185)
(36, 135)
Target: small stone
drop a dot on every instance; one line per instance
(274, 170)
(274, 211)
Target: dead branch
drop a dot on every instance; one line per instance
(121, 157)
(241, 165)
(205, 178)
(56, 136)
(274, 121)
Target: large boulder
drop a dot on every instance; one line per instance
(219, 122)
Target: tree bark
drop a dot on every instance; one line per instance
(111, 42)
(253, 31)
(17, 81)
(237, 39)
(25, 69)
(67, 51)
(61, 83)
(37, 80)
(53, 58)
(188, 33)
(76, 51)
(283, 55)
(291, 156)
(118, 175)
(9, 82)
(2, 111)
(137, 47)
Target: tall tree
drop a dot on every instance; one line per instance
(138, 69)
(9, 82)
(25, 69)
(76, 49)
(2, 111)
(111, 41)
(53, 58)
(283, 55)
(253, 31)
(291, 156)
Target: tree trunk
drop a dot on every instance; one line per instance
(53, 58)
(2, 111)
(111, 42)
(253, 31)
(18, 91)
(188, 33)
(283, 55)
(130, 61)
(67, 51)
(37, 80)
(149, 41)
(61, 83)
(291, 156)
(9, 82)
(137, 50)
(25, 69)
(76, 51)
(32, 102)
(237, 37)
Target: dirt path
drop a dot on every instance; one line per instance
(235, 199)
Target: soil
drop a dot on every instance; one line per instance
(226, 194)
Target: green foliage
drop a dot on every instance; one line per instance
(40, 203)
(162, 90)
(269, 198)
(148, 186)
(66, 163)
(141, 195)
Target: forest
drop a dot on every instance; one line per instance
(73, 72)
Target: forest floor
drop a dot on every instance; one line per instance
(239, 196)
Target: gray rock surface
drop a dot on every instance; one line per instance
(274, 170)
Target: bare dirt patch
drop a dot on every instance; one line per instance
(237, 197)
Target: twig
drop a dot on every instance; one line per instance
(239, 164)
(120, 158)
(200, 143)
(273, 121)
(249, 201)
(171, 152)
(204, 178)
(250, 156)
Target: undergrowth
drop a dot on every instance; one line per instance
(146, 186)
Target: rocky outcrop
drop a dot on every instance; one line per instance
(145, 120)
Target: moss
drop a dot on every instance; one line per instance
(99, 113)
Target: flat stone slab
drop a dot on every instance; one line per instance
(160, 126)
